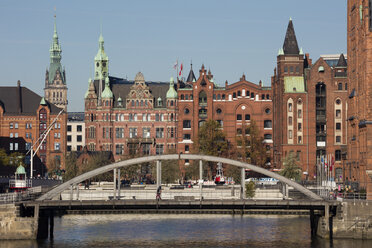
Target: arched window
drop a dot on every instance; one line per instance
(339, 86)
(239, 93)
(218, 97)
(223, 96)
(171, 102)
(234, 95)
(182, 97)
(252, 95)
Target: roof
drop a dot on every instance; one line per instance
(294, 84)
(20, 170)
(341, 61)
(191, 77)
(290, 45)
(75, 116)
(121, 87)
(22, 101)
(332, 59)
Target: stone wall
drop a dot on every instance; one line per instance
(12, 226)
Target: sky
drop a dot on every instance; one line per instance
(230, 37)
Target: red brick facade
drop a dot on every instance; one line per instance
(359, 45)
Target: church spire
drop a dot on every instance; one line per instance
(290, 45)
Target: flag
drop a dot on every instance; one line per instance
(181, 70)
(332, 163)
(175, 65)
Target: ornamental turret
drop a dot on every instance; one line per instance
(101, 61)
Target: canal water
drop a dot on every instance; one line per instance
(180, 231)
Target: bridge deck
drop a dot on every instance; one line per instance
(179, 204)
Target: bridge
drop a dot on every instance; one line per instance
(46, 206)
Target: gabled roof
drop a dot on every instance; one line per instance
(22, 101)
(290, 45)
(191, 77)
(341, 61)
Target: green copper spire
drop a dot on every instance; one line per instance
(107, 93)
(87, 92)
(43, 102)
(171, 93)
(55, 52)
(101, 60)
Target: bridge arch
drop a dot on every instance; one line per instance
(122, 164)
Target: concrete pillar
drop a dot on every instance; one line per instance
(119, 184)
(114, 196)
(71, 191)
(158, 174)
(242, 183)
(312, 223)
(201, 178)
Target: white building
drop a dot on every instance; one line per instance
(75, 131)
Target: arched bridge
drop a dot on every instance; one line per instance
(122, 164)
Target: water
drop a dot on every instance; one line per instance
(183, 231)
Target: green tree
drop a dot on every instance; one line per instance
(291, 168)
(71, 167)
(211, 141)
(170, 171)
(250, 189)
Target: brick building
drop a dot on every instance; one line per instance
(234, 106)
(24, 116)
(359, 46)
(129, 117)
(309, 107)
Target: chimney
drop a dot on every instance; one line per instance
(19, 96)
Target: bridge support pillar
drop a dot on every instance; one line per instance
(242, 184)
(114, 196)
(71, 192)
(158, 173)
(119, 184)
(201, 178)
(51, 224)
(313, 223)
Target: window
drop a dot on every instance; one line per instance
(79, 148)
(159, 132)
(297, 69)
(339, 87)
(11, 135)
(186, 124)
(338, 126)
(159, 149)
(238, 117)
(11, 146)
(267, 96)
(234, 95)
(186, 111)
(57, 146)
(157, 117)
(338, 155)
(299, 127)
(218, 111)
(146, 132)
(290, 121)
(338, 113)
(79, 128)
(220, 122)
(239, 131)
(268, 136)
(299, 140)
(223, 96)
(186, 97)
(146, 149)
(16, 125)
(203, 98)
(28, 146)
(268, 124)
(187, 136)
(68, 128)
(15, 146)
(290, 134)
(119, 149)
(15, 135)
(132, 132)
(290, 107)
(68, 138)
(285, 69)
(263, 96)
(239, 94)
(338, 101)
(291, 69)
(247, 117)
(187, 148)
(299, 113)
(345, 86)
(79, 138)
(119, 132)
(171, 132)
(69, 148)
(252, 95)
(182, 97)
(92, 133)
(338, 139)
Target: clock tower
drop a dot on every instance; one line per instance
(55, 90)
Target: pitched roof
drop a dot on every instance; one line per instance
(22, 101)
(191, 77)
(290, 45)
(121, 87)
(341, 61)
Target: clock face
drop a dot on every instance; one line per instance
(97, 64)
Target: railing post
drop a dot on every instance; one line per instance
(158, 174)
(242, 183)
(77, 191)
(71, 191)
(119, 184)
(114, 196)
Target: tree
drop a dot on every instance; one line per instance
(250, 189)
(291, 168)
(71, 167)
(170, 171)
(211, 141)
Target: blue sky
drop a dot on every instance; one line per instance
(230, 37)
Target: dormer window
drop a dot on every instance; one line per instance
(160, 102)
(321, 69)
